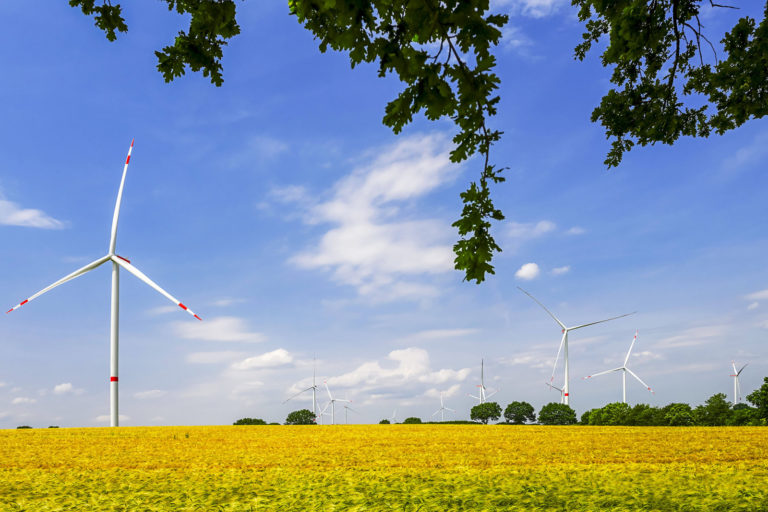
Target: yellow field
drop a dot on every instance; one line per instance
(384, 467)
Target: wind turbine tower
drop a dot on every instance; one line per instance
(564, 343)
(736, 386)
(483, 396)
(313, 387)
(442, 409)
(117, 262)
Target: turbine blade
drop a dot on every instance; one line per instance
(603, 373)
(138, 273)
(492, 393)
(544, 307)
(640, 380)
(113, 235)
(328, 389)
(742, 369)
(82, 270)
(601, 321)
(437, 411)
(626, 359)
(552, 386)
(449, 409)
(297, 394)
(325, 408)
(557, 358)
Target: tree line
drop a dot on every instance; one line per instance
(715, 411)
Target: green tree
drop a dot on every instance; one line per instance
(678, 415)
(742, 415)
(485, 412)
(557, 414)
(519, 413)
(250, 421)
(759, 398)
(384, 422)
(412, 421)
(441, 51)
(716, 411)
(643, 415)
(616, 413)
(301, 417)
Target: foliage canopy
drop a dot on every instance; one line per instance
(669, 79)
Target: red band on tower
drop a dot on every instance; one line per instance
(113, 379)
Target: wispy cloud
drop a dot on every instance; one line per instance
(528, 271)
(438, 335)
(531, 8)
(152, 393)
(531, 229)
(276, 358)
(750, 154)
(223, 328)
(11, 214)
(23, 400)
(65, 388)
(226, 301)
(576, 230)
(224, 356)
(761, 295)
(694, 337)
(374, 246)
(559, 271)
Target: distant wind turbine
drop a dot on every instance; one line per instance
(117, 262)
(482, 394)
(552, 386)
(564, 342)
(332, 403)
(623, 369)
(346, 410)
(314, 388)
(442, 409)
(392, 419)
(736, 386)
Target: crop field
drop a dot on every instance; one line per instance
(384, 467)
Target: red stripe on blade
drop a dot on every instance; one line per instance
(24, 302)
(182, 306)
(127, 159)
(113, 379)
(124, 259)
(132, 142)
(9, 311)
(198, 318)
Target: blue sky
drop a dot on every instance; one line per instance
(284, 213)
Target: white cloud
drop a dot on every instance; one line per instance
(514, 39)
(104, 418)
(748, 155)
(694, 336)
(412, 368)
(152, 393)
(163, 310)
(257, 149)
(761, 295)
(532, 8)
(373, 246)
(279, 357)
(223, 356)
(528, 272)
(576, 230)
(530, 230)
(435, 393)
(2, 384)
(12, 214)
(66, 387)
(438, 334)
(752, 306)
(558, 271)
(23, 400)
(223, 328)
(226, 301)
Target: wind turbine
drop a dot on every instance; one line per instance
(483, 396)
(624, 371)
(442, 409)
(552, 386)
(332, 403)
(564, 342)
(117, 262)
(392, 419)
(346, 410)
(736, 386)
(313, 387)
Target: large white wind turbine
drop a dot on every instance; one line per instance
(483, 391)
(564, 342)
(736, 386)
(332, 403)
(117, 262)
(623, 369)
(314, 388)
(442, 408)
